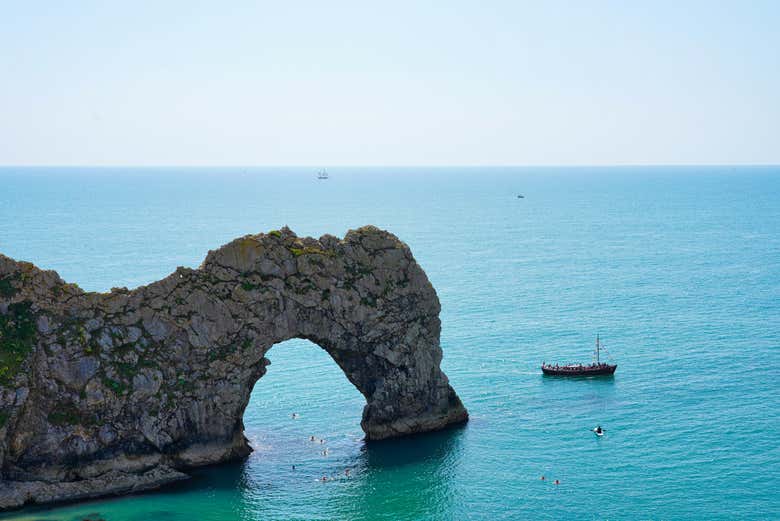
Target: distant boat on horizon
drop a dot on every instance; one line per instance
(598, 368)
(322, 174)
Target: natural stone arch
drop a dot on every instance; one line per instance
(103, 393)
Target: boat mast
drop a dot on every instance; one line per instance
(597, 348)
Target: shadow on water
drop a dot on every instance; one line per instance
(430, 447)
(412, 475)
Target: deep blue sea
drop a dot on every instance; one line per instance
(677, 269)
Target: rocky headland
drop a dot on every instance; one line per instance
(110, 393)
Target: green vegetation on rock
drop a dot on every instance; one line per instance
(118, 387)
(6, 288)
(125, 369)
(67, 414)
(248, 286)
(17, 337)
(185, 385)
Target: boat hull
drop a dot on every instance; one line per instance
(601, 370)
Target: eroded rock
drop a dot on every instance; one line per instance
(122, 391)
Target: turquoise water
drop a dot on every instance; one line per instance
(678, 269)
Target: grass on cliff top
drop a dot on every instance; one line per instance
(17, 337)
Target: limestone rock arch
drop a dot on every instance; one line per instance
(113, 392)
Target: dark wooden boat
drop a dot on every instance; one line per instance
(598, 368)
(579, 369)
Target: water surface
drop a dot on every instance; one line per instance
(678, 269)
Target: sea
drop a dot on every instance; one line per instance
(677, 269)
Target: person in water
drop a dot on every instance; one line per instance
(598, 429)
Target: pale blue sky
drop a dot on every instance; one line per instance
(390, 83)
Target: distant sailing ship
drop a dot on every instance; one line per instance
(322, 174)
(598, 368)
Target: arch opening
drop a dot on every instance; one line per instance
(303, 394)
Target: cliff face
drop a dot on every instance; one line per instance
(117, 392)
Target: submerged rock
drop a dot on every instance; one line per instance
(106, 393)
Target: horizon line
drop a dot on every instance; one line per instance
(541, 165)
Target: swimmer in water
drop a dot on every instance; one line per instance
(295, 416)
(542, 478)
(598, 430)
(556, 482)
(322, 441)
(311, 438)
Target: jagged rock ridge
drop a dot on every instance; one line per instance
(105, 393)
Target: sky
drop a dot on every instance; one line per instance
(389, 83)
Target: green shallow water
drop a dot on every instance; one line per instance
(678, 269)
